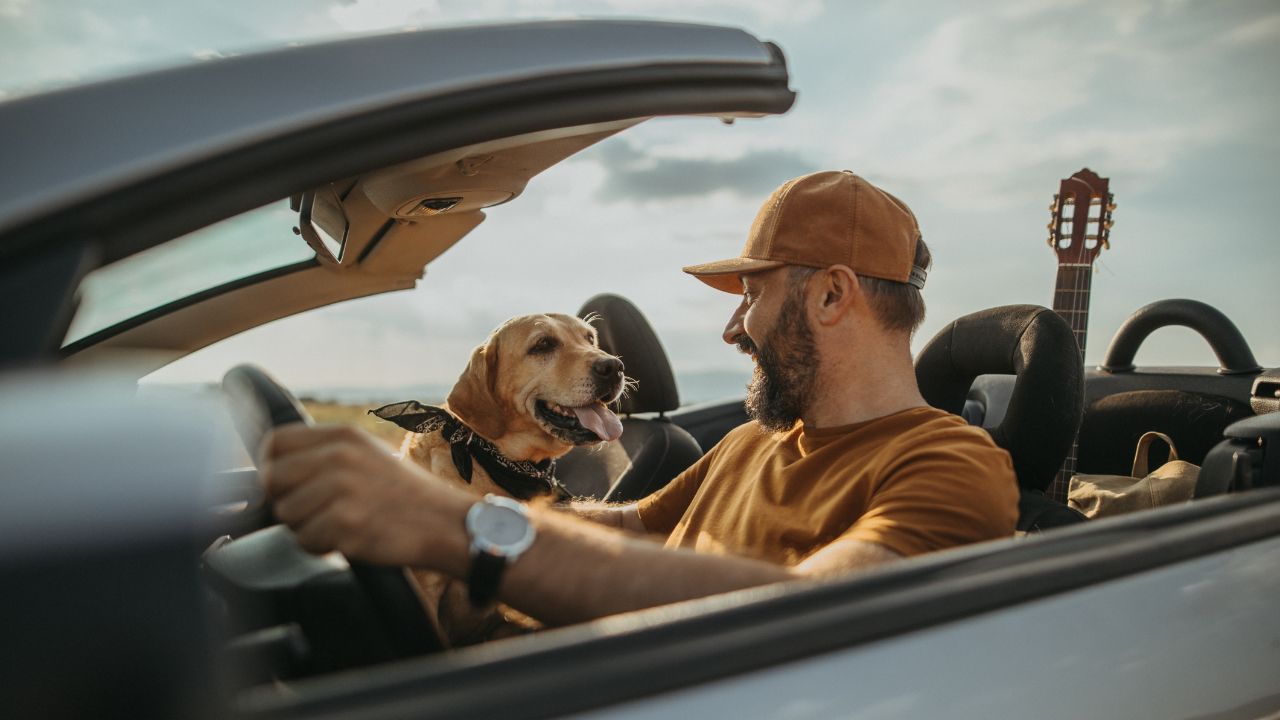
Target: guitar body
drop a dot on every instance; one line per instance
(1079, 229)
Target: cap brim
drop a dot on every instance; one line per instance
(723, 274)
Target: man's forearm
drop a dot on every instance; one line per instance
(576, 571)
(340, 490)
(622, 516)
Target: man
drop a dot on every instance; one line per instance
(844, 466)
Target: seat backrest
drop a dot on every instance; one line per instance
(1037, 346)
(652, 450)
(1112, 425)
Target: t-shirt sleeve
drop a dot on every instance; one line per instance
(661, 511)
(958, 491)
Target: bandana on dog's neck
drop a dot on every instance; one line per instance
(523, 479)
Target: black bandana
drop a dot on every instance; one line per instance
(521, 478)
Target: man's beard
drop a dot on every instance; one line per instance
(786, 369)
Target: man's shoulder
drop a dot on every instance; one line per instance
(940, 425)
(746, 440)
(747, 434)
(937, 434)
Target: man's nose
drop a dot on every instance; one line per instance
(734, 329)
(607, 367)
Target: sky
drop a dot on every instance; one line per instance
(970, 112)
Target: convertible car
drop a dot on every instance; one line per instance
(143, 575)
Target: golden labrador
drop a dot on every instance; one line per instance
(538, 387)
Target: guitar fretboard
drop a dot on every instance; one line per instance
(1071, 301)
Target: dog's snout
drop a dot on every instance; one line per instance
(607, 367)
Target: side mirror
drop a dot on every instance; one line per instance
(323, 223)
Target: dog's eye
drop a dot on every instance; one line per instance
(544, 345)
(591, 338)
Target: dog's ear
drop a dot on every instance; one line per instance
(410, 415)
(474, 399)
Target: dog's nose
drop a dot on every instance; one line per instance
(607, 367)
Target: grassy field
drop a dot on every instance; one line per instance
(327, 413)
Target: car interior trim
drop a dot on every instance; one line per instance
(189, 300)
(377, 238)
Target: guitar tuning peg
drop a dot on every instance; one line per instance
(1106, 244)
(1107, 225)
(1053, 206)
(1049, 241)
(1049, 227)
(1111, 207)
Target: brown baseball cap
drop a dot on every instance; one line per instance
(824, 219)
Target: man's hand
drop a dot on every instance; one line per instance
(341, 489)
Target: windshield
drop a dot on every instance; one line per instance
(241, 246)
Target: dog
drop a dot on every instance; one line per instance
(538, 387)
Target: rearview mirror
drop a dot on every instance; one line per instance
(323, 223)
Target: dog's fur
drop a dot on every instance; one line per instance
(528, 363)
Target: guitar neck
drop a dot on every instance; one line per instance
(1071, 299)
(1071, 302)
(1079, 228)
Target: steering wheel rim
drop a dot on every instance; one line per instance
(258, 404)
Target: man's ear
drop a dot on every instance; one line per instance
(474, 399)
(837, 292)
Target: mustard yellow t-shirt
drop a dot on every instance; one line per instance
(914, 481)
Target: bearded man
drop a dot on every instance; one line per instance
(843, 466)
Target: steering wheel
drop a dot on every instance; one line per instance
(258, 404)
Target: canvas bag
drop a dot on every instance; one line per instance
(1105, 495)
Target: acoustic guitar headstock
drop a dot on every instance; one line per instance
(1081, 222)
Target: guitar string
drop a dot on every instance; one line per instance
(1075, 314)
(1081, 301)
(1064, 284)
(1079, 230)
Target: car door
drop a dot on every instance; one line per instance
(1163, 614)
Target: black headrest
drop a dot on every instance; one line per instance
(624, 332)
(1035, 344)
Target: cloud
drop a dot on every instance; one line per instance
(1254, 31)
(638, 177)
(55, 42)
(988, 99)
(14, 8)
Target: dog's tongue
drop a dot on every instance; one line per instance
(600, 420)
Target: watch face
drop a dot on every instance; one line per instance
(501, 526)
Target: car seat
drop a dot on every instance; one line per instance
(652, 450)
(1037, 346)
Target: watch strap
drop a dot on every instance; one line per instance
(482, 582)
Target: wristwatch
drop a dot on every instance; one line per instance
(500, 532)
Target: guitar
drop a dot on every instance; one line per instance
(1080, 228)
